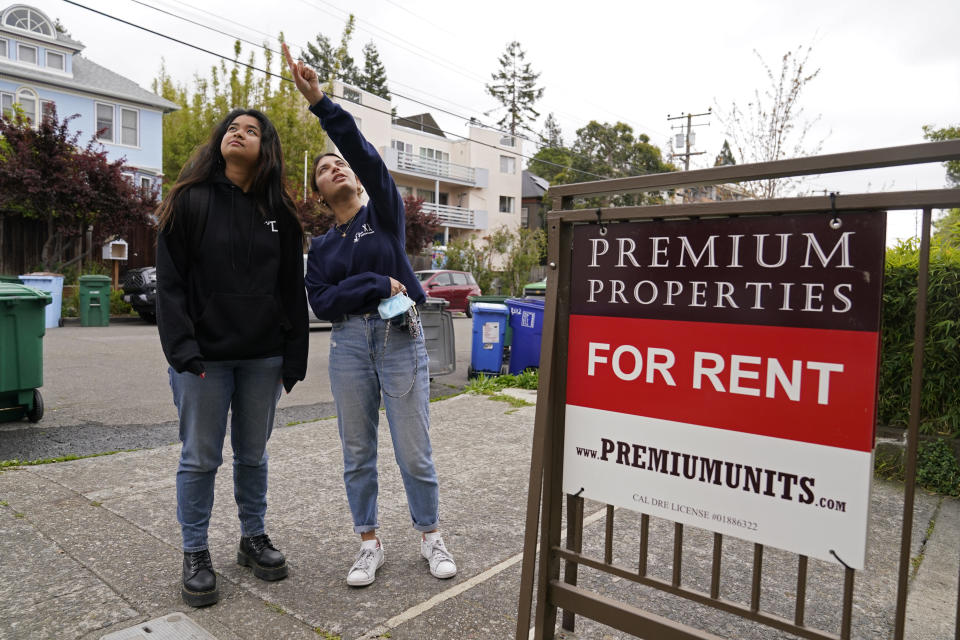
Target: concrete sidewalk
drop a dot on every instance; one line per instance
(92, 547)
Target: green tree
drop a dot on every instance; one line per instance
(947, 228)
(554, 164)
(725, 157)
(773, 126)
(374, 76)
(514, 86)
(946, 133)
(334, 63)
(524, 252)
(551, 136)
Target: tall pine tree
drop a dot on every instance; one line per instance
(514, 86)
(374, 76)
(334, 63)
(551, 136)
(725, 156)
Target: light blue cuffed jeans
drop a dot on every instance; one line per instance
(249, 389)
(364, 362)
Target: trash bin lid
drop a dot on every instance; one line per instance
(527, 303)
(93, 278)
(10, 291)
(490, 307)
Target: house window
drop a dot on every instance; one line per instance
(508, 164)
(47, 108)
(127, 176)
(146, 185)
(524, 216)
(399, 145)
(506, 204)
(434, 154)
(55, 60)
(3, 49)
(28, 101)
(105, 122)
(129, 127)
(508, 141)
(26, 54)
(6, 104)
(27, 19)
(351, 94)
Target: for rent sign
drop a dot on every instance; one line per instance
(723, 374)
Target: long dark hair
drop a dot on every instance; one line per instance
(268, 186)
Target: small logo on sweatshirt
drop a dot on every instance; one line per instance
(365, 230)
(272, 224)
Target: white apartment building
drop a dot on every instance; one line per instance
(474, 186)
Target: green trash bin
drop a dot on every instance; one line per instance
(10, 279)
(22, 326)
(94, 292)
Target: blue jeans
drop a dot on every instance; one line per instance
(251, 389)
(360, 369)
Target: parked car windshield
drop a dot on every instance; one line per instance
(424, 275)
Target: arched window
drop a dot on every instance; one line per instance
(28, 19)
(30, 103)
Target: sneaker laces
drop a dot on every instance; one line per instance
(200, 560)
(363, 561)
(438, 552)
(261, 542)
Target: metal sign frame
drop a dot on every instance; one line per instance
(543, 553)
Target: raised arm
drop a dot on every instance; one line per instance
(362, 156)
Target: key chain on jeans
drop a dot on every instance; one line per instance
(413, 326)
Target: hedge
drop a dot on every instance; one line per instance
(940, 398)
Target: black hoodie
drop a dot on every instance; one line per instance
(230, 282)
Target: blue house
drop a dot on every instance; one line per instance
(41, 67)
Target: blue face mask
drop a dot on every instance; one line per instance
(394, 306)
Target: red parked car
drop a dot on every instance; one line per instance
(453, 286)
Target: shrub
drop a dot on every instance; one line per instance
(937, 467)
(940, 397)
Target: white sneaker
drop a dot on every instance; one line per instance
(441, 562)
(364, 569)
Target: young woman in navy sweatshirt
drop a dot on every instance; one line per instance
(232, 315)
(350, 269)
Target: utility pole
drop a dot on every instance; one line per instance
(688, 136)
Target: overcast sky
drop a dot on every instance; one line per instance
(887, 67)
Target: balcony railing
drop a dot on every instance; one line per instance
(409, 163)
(457, 216)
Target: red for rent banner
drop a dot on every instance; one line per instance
(723, 374)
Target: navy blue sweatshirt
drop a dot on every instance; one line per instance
(350, 275)
(230, 282)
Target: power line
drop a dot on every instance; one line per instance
(283, 78)
(471, 120)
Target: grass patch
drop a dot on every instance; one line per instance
(95, 503)
(4, 503)
(514, 402)
(326, 635)
(67, 458)
(446, 397)
(489, 385)
(18, 515)
(275, 608)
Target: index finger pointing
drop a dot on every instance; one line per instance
(286, 53)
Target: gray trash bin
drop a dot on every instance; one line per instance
(438, 335)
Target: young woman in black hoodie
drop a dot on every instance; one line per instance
(231, 310)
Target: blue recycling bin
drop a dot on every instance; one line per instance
(489, 329)
(52, 283)
(526, 323)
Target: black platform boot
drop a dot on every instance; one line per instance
(258, 552)
(199, 581)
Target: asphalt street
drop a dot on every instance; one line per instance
(106, 389)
